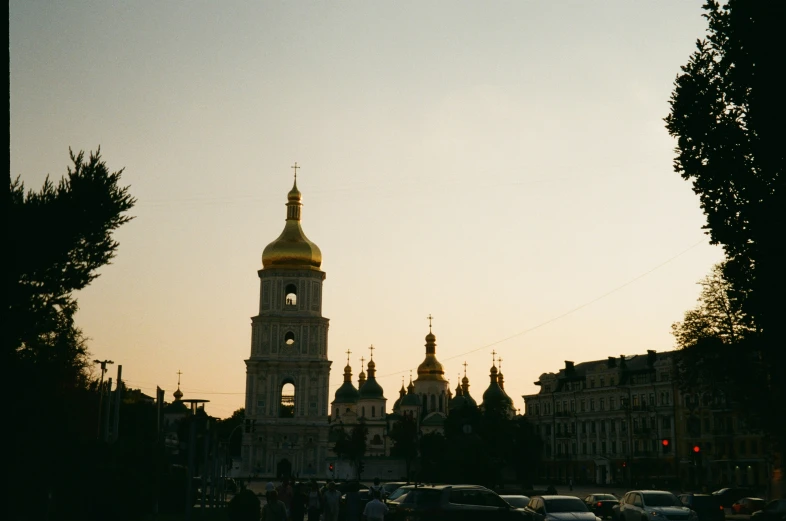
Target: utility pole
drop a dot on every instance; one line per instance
(107, 409)
(118, 398)
(103, 364)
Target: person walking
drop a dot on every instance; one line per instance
(274, 510)
(285, 494)
(375, 509)
(570, 484)
(376, 486)
(299, 503)
(353, 502)
(332, 502)
(314, 502)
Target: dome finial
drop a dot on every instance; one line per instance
(429, 322)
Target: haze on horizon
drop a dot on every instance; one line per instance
(496, 165)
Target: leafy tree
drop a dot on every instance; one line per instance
(57, 239)
(404, 434)
(230, 430)
(727, 115)
(352, 445)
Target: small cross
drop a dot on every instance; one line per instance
(429, 322)
(465, 368)
(371, 348)
(410, 376)
(348, 353)
(500, 364)
(295, 167)
(362, 361)
(178, 377)
(493, 357)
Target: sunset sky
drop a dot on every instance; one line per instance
(503, 166)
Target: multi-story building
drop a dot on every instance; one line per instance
(716, 447)
(607, 421)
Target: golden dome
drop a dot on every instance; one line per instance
(431, 369)
(292, 249)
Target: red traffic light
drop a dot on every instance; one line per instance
(665, 443)
(331, 467)
(696, 449)
(624, 463)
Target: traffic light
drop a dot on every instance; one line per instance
(666, 445)
(696, 449)
(624, 464)
(331, 467)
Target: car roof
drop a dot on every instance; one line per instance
(558, 497)
(443, 487)
(512, 495)
(652, 491)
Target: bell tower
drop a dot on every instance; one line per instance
(287, 373)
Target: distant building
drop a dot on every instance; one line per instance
(608, 421)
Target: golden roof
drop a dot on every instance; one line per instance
(292, 249)
(431, 369)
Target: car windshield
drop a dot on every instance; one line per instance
(605, 497)
(516, 501)
(399, 492)
(661, 500)
(390, 487)
(555, 506)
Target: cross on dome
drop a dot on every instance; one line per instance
(295, 167)
(348, 353)
(429, 322)
(371, 348)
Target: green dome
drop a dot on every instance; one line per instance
(410, 399)
(346, 393)
(495, 395)
(371, 390)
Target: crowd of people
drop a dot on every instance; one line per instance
(306, 501)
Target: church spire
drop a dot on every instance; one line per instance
(178, 394)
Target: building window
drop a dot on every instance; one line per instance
(665, 376)
(433, 403)
(603, 447)
(286, 408)
(583, 405)
(652, 399)
(289, 338)
(592, 404)
(602, 381)
(611, 404)
(573, 406)
(584, 447)
(559, 407)
(291, 295)
(373, 411)
(754, 448)
(611, 381)
(624, 426)
(592, 382)
(594, 447)
(363, 411)
(602, 404)
(635, 400)
(666, 422)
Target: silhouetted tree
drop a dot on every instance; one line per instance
(352, 446)
(727, 114)
(404, 434)
(226, 428)
(56, 240)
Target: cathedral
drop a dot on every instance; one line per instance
(289, 429)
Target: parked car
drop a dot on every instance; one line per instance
(706, 506)
(773, 511)
(601, 504)
(453, 502)
(558, 508)
(652, 505)
(516, 501)
(748, 505)
(728, 496)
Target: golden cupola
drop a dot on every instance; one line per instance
(292, 249)
(430, 368)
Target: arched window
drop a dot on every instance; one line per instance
(291, 295)
(337, 412)
(286, 408)
(440, 403)
(433, 402)
(373, 411)
(289, 338)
